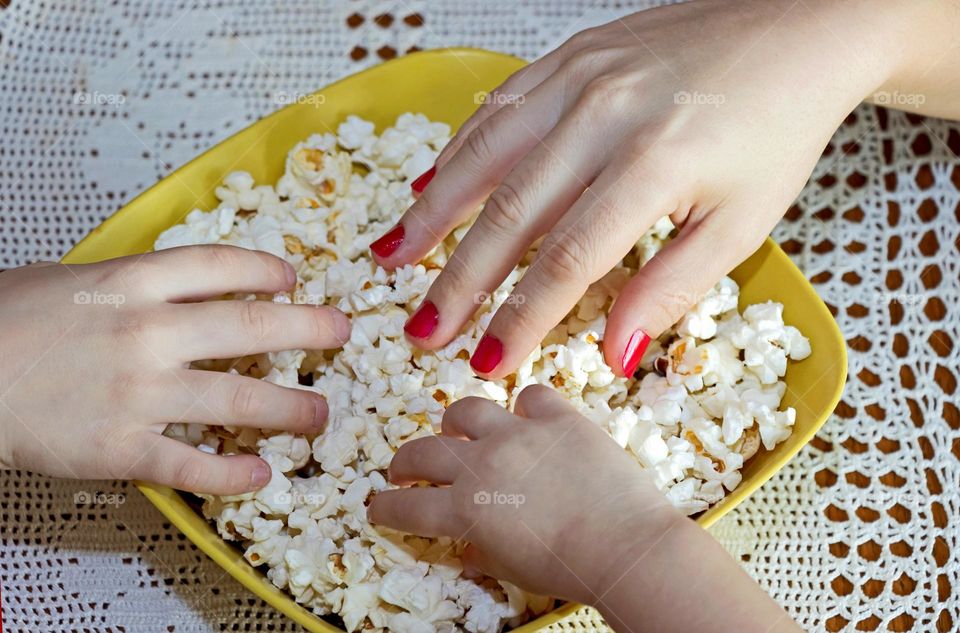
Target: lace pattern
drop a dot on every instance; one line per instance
(99, 100)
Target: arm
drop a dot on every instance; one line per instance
(552, 504)
(97, 363)
(713, 113)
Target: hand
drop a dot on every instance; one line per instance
(96, 364)
(711, 113)
(547, 500)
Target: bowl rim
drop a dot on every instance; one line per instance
(224, 553)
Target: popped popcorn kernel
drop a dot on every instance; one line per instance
(707, 398)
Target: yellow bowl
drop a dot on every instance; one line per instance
(443, 85)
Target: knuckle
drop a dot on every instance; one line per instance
(580, 40)
(421, 215)
(479, 146)
(504, 210)
(609, 92)
(136, 273)
(524, 316)
(124, 387)
(191, 474)
(220, 256)
(243, 401)
(563, 259)
(491, 459)
(253, 319)
(321, 323)
(583, 63)
(111, 451)
(464, 509)
(456, 276)
(146, 329)
(669, 305)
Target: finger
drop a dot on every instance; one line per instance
(219, 398)
(514, 88)
(422, 511)
(539, 401)
(477, 564)
(230, 329)
(193, 273)
(529, 201)
(473, 418)
(435, 459)
(472, 173)
(671, 283)
(584, 245)
(172, 463)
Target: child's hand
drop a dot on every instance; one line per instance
(547, 500)
(96, 364)
(550, 503)
(712, 112)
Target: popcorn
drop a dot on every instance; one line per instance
(708, 397)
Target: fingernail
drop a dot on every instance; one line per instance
(390, 242)
(423, 322)
(291, 275)
(320, 414)
(423, 180)
(488, 354)
(342, 326)
(260, 476)
(636, 346)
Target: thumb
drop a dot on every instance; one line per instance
(670, 284)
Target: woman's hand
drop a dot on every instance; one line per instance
(549, 502)
(714, 113)
(543, 496)
(96, 364)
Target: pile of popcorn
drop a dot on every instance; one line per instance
(706, 398)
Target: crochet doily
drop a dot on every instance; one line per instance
(99, 100)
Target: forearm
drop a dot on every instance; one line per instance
(687, 582)
(914, 44)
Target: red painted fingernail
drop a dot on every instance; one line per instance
(390, 242)
(488, 354)
(423, 180)
(423, 322)
(636, 346)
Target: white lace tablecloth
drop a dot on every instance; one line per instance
(100, 99)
